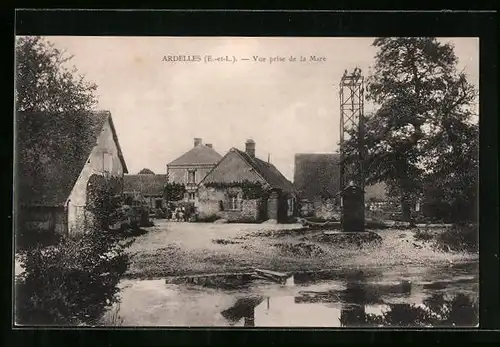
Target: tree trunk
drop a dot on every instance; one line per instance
(406, 207)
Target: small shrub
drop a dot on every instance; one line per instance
(112, 317)
(424, 235)
(455, 238)
(72, 282)
(459, 238)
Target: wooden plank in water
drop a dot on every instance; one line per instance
(272, 273)
(275, 276)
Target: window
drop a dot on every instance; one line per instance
(107, 162)
(234, 202)
(192, 177)
(290, 207)
(191, 196)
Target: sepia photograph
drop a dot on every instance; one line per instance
(217, 181)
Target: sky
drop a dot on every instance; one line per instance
(159, 106)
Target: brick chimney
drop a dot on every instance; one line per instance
(250, 148)
(197, 141)
(209, 145)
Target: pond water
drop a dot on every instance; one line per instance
(406, 296)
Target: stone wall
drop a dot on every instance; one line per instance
(208, 201)
(209, 204)
(249, 212)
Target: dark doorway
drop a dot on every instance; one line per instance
(158, 203)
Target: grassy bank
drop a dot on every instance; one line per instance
(463, 238)
(183, 249)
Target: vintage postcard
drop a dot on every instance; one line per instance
(246, 181)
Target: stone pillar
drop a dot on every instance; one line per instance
(353, 210)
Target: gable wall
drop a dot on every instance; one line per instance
(233, 168)
(179, 174)
(95, 165)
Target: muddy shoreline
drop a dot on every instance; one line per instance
(298, 269)
(191, 249)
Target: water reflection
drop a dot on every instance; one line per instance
(359, 303)
(244, 308)
(399, 296)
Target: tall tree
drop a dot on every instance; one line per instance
(421, 97)
(44, 83)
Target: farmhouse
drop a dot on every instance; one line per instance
(191, 167)
(242, 187)
(57, 155)
(317, 178)
(147, 185)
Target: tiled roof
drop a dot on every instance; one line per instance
(146, 184)
(269, 172)
(51, 151)
(199, 155)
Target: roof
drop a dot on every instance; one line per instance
(146, 184)
(317, 175)
(199, 155)
(51, 151)
(269, 173)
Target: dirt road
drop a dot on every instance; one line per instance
(171, 248)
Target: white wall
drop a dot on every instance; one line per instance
(94, 165)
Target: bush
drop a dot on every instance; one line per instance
(459, 238)
(456, 238)
(424, 235)
(71, 283)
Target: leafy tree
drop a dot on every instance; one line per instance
(146, 171)
(43, 83)
(423, 115)
(74, 279)
(174, 191)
